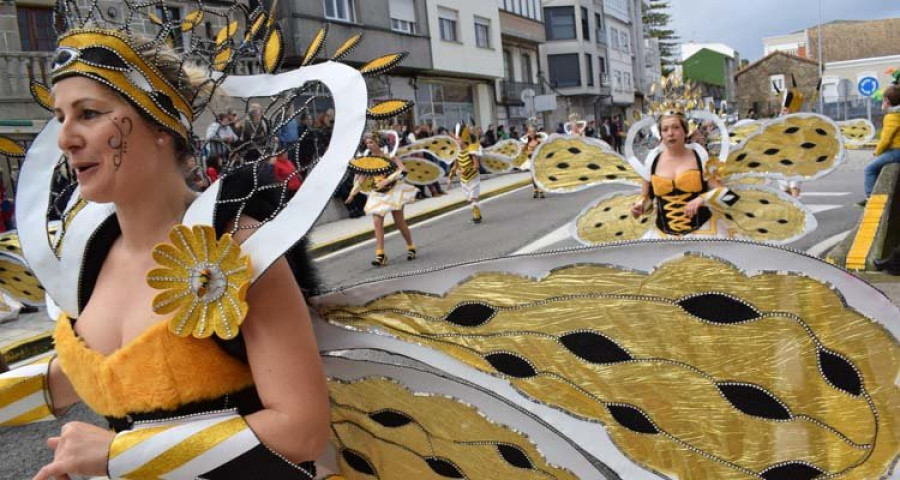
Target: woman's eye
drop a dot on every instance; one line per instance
(89, 114)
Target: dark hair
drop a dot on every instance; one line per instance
(892, 94)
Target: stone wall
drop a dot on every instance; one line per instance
(753, 86)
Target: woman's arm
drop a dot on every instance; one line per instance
(62, 393)
(286, 367)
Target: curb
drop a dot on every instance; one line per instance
(27, 348)
(335, 245)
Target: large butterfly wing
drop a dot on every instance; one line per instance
(609, 219)
(675, 359)
(765, 214)
(801, 146)
(499, 158)
(567, 163)
(442, 147)
(743, 129)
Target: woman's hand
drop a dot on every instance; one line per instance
(637, 209)
(690, 210)
(349, 200)
(383, 184)
(80, 449)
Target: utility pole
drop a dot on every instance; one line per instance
(821, 65)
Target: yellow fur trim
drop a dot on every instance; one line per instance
(156, 370)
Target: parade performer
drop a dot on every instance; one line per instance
(467, 166)
(531, 140)
(684, 192)
(575, 126)
(183, 317)
(381, 175)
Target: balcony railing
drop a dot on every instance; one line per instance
(17, 69)
(511, 92)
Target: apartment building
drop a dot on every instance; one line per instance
(522, 33)
(576, 59)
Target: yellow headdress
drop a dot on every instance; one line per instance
(678, 97)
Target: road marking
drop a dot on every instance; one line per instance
(818, 249)
(824, 194)
(558, 235)
(823, 208)
(413, 227)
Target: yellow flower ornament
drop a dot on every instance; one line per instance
(204, 279)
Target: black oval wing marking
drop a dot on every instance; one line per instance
(471, 314)
(632, 418)
(444, 467)
(514, 456)
(391, 418)
(792, 471)
(358, 462)
(718, 308)
(754, 400)
(594, 348)
(510, 364)
(840, 372)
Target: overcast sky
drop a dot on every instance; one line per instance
(742, 24)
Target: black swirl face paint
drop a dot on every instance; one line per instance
(119, 141)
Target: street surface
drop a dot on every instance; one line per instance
(514, 222)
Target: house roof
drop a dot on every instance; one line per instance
(761, 60)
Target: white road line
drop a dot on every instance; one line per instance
(816, 208)
(824, 194)
(413, 227)
(558, 235)
(825, 245)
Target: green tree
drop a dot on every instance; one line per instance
(657, 21)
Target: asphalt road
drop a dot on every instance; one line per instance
(512, 221)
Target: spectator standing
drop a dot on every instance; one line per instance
(591, 130)
(255, 129)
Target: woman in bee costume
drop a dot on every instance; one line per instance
(467, 166)
(208, 366)
(383, 175)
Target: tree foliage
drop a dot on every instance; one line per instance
(657, 21)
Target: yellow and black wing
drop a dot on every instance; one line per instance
(743, 129)
(695, 367)
(801, 146)
(567, 163)
(609, 219)
(858, 131)
(420, 171)
(499, 158)
(443, 147)
(16, 279)
(382, 429)
(765, 214)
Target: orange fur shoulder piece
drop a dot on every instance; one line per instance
(157, 370)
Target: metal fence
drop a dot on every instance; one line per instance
(838, 108)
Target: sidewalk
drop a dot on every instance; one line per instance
(29, 334)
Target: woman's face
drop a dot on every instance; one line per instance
(111, 148)
(372, 145)
(672, 131)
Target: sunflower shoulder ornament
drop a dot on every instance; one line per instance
(204, 282)
(794, 147)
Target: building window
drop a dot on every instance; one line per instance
(627, 77)
(614, 38)
(527, 73)
(598, 34)
(564, 70)
(617, 80)
(448, 22)
(585, 28)
(507, 65)
(172, 14)
(341, 10)
(776, 83)
(589, 62)
(482, 32)
(36, 29)
(626, 47)
(403, 16)
(560, 23)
